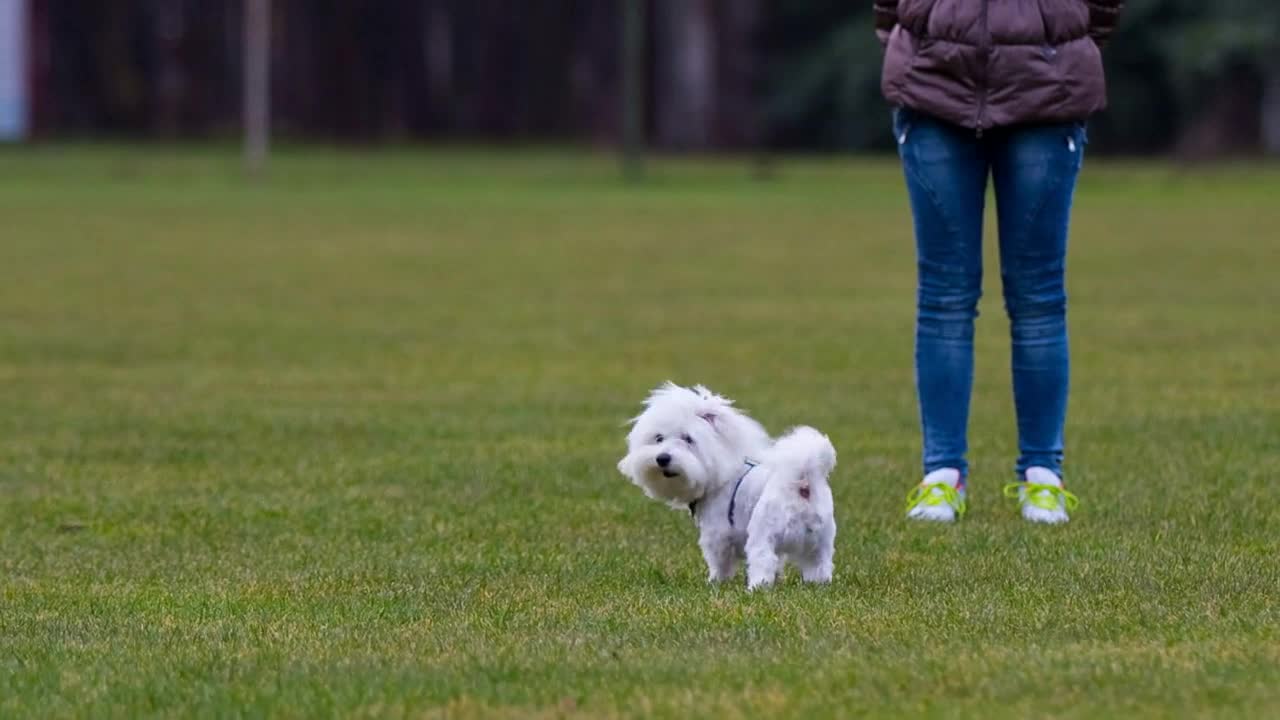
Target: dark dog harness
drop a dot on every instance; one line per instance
(733, 499)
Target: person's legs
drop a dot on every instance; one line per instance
(1034, 170)
(946, 172)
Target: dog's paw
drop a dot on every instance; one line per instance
(819, 575)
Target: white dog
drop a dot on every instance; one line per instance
(748, 495)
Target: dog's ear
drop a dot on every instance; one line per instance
(624, 466)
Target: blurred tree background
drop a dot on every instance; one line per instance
(1187, 76)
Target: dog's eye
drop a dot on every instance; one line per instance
(687, 439)
(657, 438)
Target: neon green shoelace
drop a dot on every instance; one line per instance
(936, 494)
(1045, 497)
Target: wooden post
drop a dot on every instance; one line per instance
(257, 84)
(633, 89)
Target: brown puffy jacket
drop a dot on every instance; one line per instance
(988, 63)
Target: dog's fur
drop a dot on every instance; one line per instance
(749, 495)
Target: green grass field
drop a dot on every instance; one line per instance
(342, 443)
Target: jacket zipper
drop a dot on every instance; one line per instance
(984, 53)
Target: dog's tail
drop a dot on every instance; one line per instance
(801, 457)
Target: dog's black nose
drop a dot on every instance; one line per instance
(663, 460)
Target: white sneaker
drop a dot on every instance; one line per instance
(1042, 497)
(940, 498)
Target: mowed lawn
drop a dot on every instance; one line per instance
(342, 443)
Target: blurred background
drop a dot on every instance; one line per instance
(1187, 77)
(340, 440)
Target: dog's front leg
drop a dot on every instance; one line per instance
(721, 556)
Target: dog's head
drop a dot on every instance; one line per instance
(688, 442)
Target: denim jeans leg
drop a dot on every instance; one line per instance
(1035, 170)
(946, 174)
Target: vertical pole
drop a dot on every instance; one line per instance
(257, 84)
(633, 89)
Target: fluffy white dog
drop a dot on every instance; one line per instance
(748, 495)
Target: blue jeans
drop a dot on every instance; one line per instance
(1034, 169)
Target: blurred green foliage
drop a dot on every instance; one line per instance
(1166, 66)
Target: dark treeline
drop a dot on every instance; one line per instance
(1188, 75)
